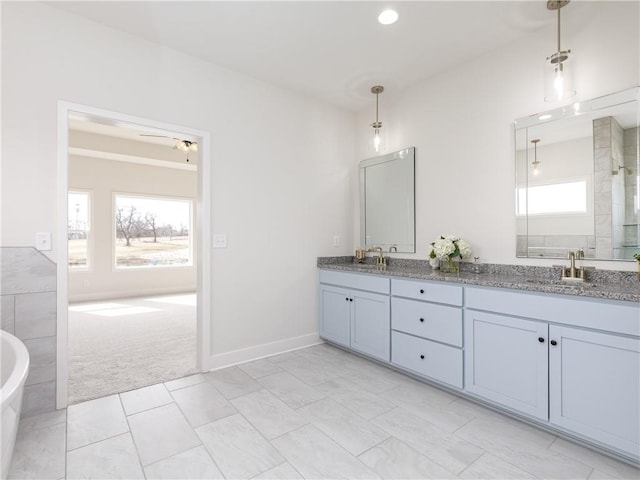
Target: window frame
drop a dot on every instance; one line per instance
(588, 198)
(152, 196)
(90, 217)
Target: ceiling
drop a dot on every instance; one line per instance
(107, 139)
(332, 50)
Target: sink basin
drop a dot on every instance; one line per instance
(368, 266)
(560, 283)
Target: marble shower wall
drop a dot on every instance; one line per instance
(617, 189)
(28, 293)
(631, 228)
(603, 149)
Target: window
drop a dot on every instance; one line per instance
(152, 232)
(553, 199)
(78, 230)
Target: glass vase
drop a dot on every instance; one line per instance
(449, 265)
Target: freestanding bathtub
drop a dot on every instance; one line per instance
(15, 368)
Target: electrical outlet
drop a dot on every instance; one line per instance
(219, 240)
(43, 241)
(336, 240)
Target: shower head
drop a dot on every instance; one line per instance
(624, 170)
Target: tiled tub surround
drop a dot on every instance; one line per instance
(607, 284)
(318, 412)
(521, 351)
(28, 293)
(555, 246)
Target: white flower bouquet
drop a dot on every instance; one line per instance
(448, 248)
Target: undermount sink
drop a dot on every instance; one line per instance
(560, 283)
(368, 266)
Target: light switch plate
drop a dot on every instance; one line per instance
(43, 241)
(219, 240)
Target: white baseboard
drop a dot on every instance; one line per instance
(257, 352)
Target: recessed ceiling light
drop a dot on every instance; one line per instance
(544, 117)
(388, 17)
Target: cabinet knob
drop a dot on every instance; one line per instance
(422, 290)
(422, 319)
(553, 342)
(346, 299)
(351, 299)
(541, 339)
(422, 357)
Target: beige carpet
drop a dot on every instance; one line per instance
(120, 345)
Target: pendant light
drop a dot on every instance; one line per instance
(535, 162)
(377, 144)
(558, 81)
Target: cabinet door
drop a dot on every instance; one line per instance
(370, 324)
(506, 361)
(594, 382)
(335, 311)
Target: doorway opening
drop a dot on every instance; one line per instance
(134, 211)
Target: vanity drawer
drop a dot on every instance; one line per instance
(430, 291)
(427, 358)
(427, 320)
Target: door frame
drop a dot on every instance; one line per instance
(203, 232)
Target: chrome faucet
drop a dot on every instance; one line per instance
(393, 248)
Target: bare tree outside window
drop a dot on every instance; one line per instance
(128, 223)
(145, 235)
(150, 223)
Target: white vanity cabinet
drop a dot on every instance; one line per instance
(354, 312)
(594, 386)
(565, 362)
(555, 366)
(426, 335)
(506, 361)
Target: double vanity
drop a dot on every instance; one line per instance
(565, 357)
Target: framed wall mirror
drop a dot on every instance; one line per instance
(387, 202)
(577, 179)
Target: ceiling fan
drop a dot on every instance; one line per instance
(181, 144)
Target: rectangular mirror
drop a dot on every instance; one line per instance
(577, 183)
(387, 202)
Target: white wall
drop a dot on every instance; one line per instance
(104, 178)
(559, 162)
(461, 123)
(281, 163)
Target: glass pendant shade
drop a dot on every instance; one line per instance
(376, 143)
(558, 71)
(536, 163)
(558, 77)
(377, 138)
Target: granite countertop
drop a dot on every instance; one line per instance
(606, 284)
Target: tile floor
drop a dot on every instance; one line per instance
(319, 412)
